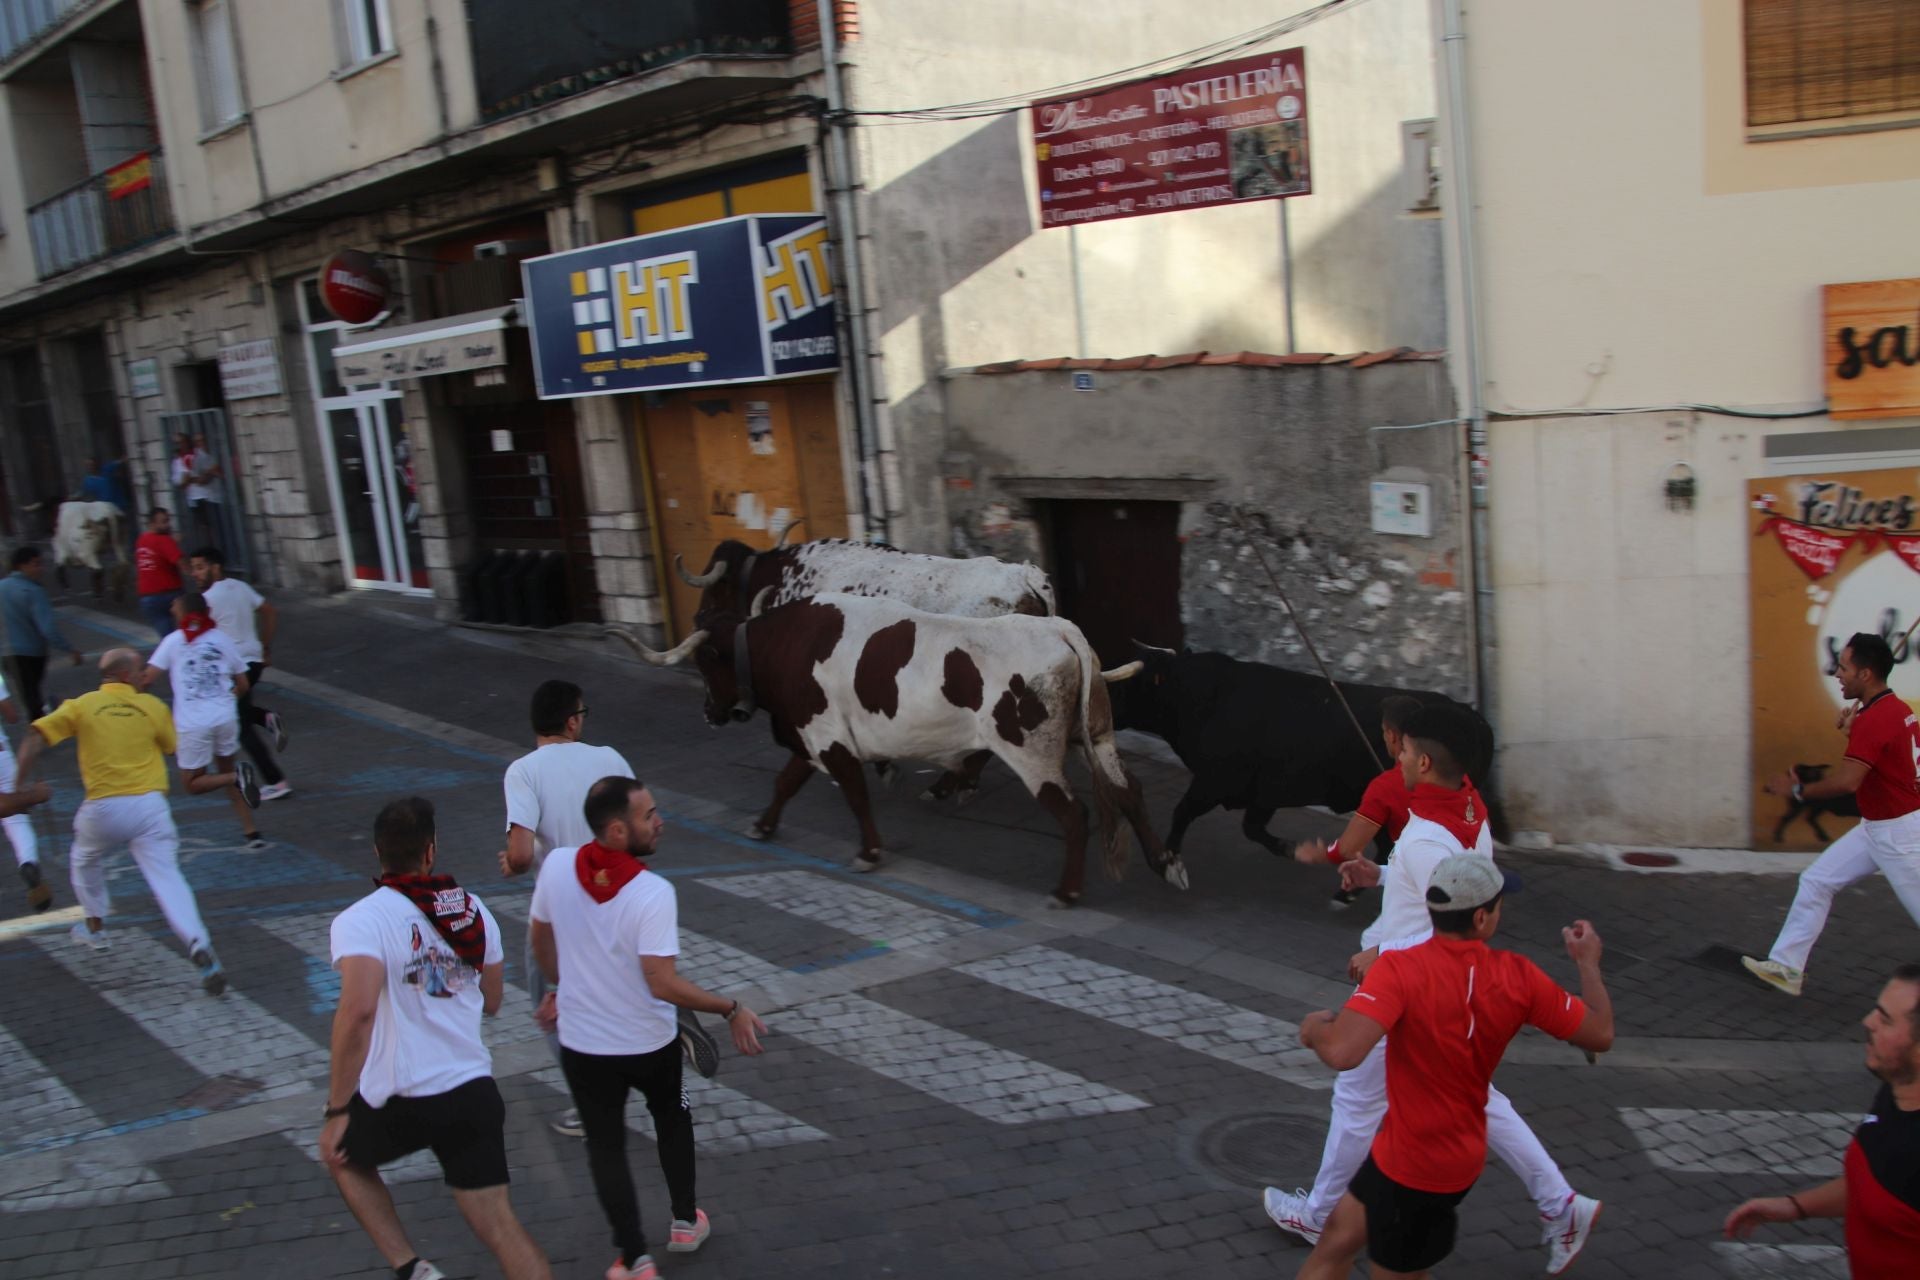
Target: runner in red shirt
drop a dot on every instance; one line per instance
(1878, 1190)
(1452, 1004)
(1883, 748)
(156, 561)
(1383, 805)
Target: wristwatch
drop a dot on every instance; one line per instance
(332, 1113)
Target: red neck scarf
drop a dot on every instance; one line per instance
(1461, 812)
(604, 872)
(446, 905)
(196, 625)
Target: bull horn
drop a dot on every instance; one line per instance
(706, 579)
(781, 541)
(760, 602)
(653, 657)
(1127, 672)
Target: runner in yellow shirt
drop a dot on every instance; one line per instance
(124, 738)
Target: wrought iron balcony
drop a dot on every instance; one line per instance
(109, 213)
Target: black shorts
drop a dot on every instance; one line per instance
(466, 1127)
(1407, 1229)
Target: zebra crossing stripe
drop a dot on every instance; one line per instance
(1759, 1261)
(993, 1083)
(1809, 1143)
(1220, 1030)
(866, 913)
(706, 961)
(231, 1036)
(726, 1121)
(43, 1115)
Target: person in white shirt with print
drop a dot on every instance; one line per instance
(546, 798)
(250, 621)
(606, 934)
(1447, 817)
(207, 673)
(419, 961)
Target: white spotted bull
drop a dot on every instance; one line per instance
(850, 678)
(84, 532)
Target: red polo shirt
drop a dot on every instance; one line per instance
(156, 563)
(1885, 738)
(1449, 1008)
(1883, 1192)
(1385, 802)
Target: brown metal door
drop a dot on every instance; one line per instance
(1116, 569)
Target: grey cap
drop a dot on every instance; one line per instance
(1465, 881)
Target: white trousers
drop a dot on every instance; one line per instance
(19, 826)
(145, 825)
(1360, 1103)
(1891, 847)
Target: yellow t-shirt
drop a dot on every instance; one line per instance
(125, 739)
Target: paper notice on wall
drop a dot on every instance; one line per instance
(777, 523)
(502, 440)
(760, 427)
(748, 512)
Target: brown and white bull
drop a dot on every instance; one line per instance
(850, 678)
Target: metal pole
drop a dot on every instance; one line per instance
(1079, 293)
(1286, 269)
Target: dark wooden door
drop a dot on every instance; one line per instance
(1116, 569)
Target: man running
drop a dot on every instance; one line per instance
(546, 797)
(1446, 817)
(1878, 1190)
(250, 622)
(32, 632)
(606, 934)
(207, 673)
(1383, 805)
(419, 961)
(1446, 1010)
(19, 823)
(157, 565)
(125, 737)
(1883, 743)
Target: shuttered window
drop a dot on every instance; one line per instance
(1831, 60)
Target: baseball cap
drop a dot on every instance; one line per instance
(1467, 880)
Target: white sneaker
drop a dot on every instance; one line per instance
(1288, 1209)
(567, 1124)
(87, 938)
(1566, 1235)
(276, 790)
(1774, 974)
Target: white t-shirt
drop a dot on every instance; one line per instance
(185, 465)
(547, 792)
(1423, 845)
(426, 1031)
(605, 1006)
(201, 673)
(232, 602)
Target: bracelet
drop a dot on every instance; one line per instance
(332, 1113)
(732, 1011)
(1797, 1207)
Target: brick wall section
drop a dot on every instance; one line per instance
(803, 18)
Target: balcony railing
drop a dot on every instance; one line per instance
(109, 213)
(23, 21)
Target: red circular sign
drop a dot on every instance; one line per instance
(353, 286)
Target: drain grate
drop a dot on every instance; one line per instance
(1265, 1148)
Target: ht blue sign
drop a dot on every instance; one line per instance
(738, 300)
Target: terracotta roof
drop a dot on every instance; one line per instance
(1244, 359)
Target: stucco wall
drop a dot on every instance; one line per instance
(1291, 447)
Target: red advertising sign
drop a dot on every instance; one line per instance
(1212, 135)
(353, 286)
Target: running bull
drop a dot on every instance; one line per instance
(1260, 738)
(850, 678)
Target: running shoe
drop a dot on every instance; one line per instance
(567, 1125)
(686, 1236)
(248, 780)
(88, 938)
(1566, 1235)
(278, 728)
(256, 840)
(642, 1269)
(276, 790)
(702, 1053)
(1288, 1209)
(39, 896)
(1774, 974)
(419, 1269)
(212, 980)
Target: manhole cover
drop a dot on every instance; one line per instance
(1267, 1148)
(1649, 859)
(219, 1092)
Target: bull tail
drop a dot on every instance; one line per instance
(1110, 777)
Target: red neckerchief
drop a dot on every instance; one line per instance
(196, 625)
(604, 872)
(446, 905)
(1461, 812)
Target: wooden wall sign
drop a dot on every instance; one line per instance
(1873, 349)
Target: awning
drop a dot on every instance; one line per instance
(476, 340)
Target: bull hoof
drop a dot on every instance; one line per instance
(761, 831)
(932, 795)
(965, 796)
(1175, 873)
(865, 862)
(884, 774)
(1057, 903)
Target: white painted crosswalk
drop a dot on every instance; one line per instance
(878, 917)
(44, 1115)
(1802, 1143)
(1758, 1260)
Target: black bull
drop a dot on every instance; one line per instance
(1261, 739)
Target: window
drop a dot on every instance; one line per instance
(1831, 61)
(216, 64)
(368, 30)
